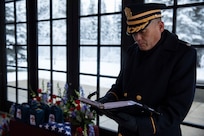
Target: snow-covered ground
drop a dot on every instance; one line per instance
(88, 83)
(88, 67)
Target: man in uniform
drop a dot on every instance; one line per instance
(159, 71)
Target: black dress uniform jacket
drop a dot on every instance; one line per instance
(163, 78)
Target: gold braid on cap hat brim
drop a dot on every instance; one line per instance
(129, 15)
(134, 29)
(136, 22)
(133, 22)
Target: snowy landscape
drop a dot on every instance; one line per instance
(110, 68)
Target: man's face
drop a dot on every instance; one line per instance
(148, 38)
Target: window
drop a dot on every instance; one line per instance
(52, 44)
(100, 47)
(16, 51)
(51, 47)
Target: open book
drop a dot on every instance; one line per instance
(117, 104)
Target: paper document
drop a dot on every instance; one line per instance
(116, 104)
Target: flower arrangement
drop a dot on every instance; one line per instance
(77, 113)
(43, 96)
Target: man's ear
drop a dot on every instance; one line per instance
(161, 26)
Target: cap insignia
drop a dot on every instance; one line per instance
(128, 12)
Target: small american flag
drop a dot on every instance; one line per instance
(61, 128)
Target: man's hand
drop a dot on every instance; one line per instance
(101, 100)
(107, 98)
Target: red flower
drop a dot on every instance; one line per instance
(79, 129)
(58, 102)
(38, 98)
(50, 100)
(71, 109)
(78, 107)
(77, 101)
(4, 116)
(39, 90)
(54, 96)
